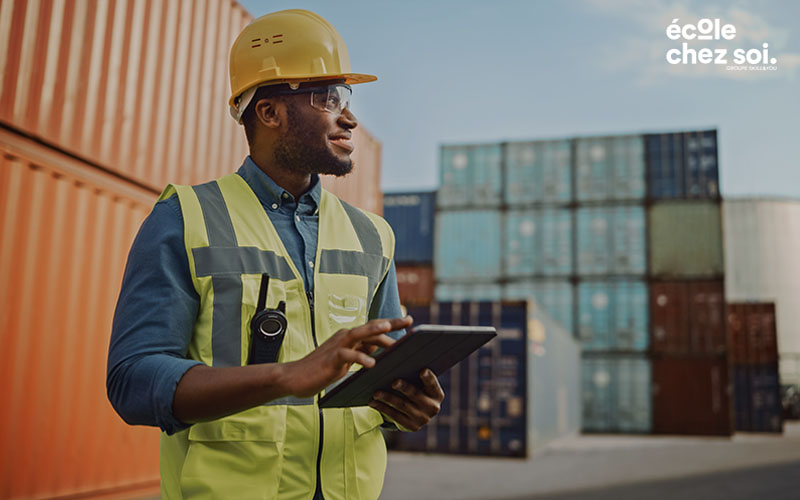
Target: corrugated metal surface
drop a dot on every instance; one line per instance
(458, 292)
(66, 229)
(415, 284)
(411, 217)
(688, 318)
(685, 239)
(762, 244)
(609, 168)
(538, 172)
(137, 86)
(361, 187)
(616, 394)
(751, 333)
(516, 394)
(682, 165)
(611, 240)
(613, 315)
(538, 243)
(691, 396)
(470, 176)
(467, 244)
(756, 391)
(554, 296)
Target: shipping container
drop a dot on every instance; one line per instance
(538, 172)
(688, 317)
(685, 239)
(538, 243)
(611, 240)
(616, 393)
(466, 292)
(762, 244)
(66, 229)
(756, 390)
(751, 333)
(82, 75)
(411, 216)
(682, 165)
(467, 245)
(415, 284)
(470, 176)
(691, 395)
(609, 168)
(515, 394)
(613, 315)
(556, 297)
(362, 186)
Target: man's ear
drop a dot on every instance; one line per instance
(270, 112)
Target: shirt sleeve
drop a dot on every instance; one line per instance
(386, 304)
(153, 322)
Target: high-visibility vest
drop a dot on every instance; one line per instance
(273, 450)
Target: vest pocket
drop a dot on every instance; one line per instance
(240, 456)
(366, 450)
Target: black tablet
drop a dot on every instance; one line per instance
(437, 347)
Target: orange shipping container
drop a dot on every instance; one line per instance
(66, 229)
(415, 284)
(138, 87)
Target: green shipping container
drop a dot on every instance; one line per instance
(685, 239)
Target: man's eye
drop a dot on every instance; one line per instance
(333, 100)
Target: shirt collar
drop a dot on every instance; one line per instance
(269, 193)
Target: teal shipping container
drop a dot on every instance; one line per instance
(609, 168)
(538, 243)
(611, 240)
(555, 297)
(613, 315)
(616, 394)
(467, 245)
(538, 172)
(467, 292)
(686, 239)
(470, 176)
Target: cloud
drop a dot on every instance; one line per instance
(644, 49)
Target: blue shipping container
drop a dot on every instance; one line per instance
(538, 243)
(610, 168)
(467, 245)
(616, 394)
(538, 172)
(682, 165)
(611, 240)
(555, 297)
(613, 315)
(411, 217)
(470, 176)
(757, 398)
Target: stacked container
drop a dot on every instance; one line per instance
(601, 231)
(754, 367)
(516, 393)
(411, 216)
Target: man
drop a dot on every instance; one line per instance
(180, 354)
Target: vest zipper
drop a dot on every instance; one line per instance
(318, 490)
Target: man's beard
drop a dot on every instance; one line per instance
(296, 151)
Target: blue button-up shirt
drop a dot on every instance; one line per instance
(158, 304)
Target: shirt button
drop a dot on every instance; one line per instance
(297, 217)
(274, 206)
(311, 264)
(285, 195)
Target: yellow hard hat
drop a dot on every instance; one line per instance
(289, 46)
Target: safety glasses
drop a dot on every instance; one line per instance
(333, 98)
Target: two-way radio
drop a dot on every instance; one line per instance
(267, 328)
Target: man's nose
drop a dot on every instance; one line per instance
(348, 119)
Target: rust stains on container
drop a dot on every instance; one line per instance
(691, 396)
(688, 317)
(752, 334)
(66, 228)
(139, 87)
(362, 187)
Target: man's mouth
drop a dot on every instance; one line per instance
(343, 142)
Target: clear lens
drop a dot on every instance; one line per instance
(334, 98)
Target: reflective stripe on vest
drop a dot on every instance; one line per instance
(230, 242)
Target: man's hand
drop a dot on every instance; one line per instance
(413, 407)
(330, 361)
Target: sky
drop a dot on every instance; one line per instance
(478, 71)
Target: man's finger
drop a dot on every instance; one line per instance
(401, 419)
(355, 356)
(431, 383)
